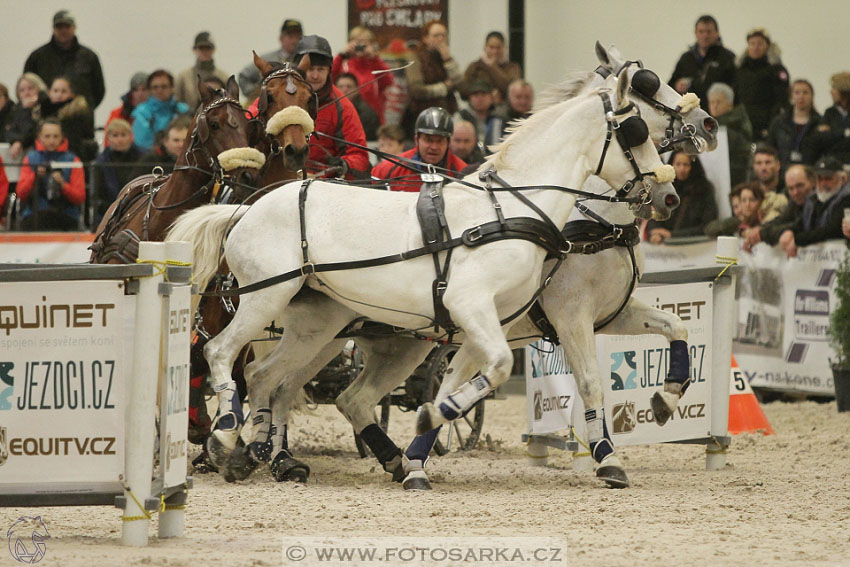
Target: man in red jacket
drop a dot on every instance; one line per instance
(337, 117)
(433, 129)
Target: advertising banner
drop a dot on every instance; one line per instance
(62, 363)
(45, 248)
(633, 369)
(396, 21)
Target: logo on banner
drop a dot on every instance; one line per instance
(625, 418)
(4, 449)
(811, 314)
(623, 370)
(7, 379)
(26, 539)
(538, 405)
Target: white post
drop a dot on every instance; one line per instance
(171, 521)
(537, 453)
(723, 315)
(141, 421)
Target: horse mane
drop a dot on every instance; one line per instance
(567, 89)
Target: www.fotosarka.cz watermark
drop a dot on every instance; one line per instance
(304, 551)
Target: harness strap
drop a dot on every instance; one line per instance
(302, 202)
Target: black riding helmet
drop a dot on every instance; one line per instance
(318, 48)
(435, 121)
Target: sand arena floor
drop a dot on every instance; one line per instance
(782, 500)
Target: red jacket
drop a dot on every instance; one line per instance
(73, 189)
(362, 67)
(4, 187)
(409, 177)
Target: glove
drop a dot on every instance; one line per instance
(337, 165)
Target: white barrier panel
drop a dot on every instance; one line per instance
(45, 248)
(62, 398)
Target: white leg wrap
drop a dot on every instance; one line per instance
(462, 399)
(594, 426)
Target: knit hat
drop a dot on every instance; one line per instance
(760, 32)
(138, 80)
(840, 82)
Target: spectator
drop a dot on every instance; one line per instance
(799, 183)
(6, 106)
(823, 210)
(390, 140)
(4, 190)
(835, 126)
(464, 143)
(64, 56)
(762, 81)
(360, 59)
(156, 113)
(137, 94)
(337, 117)
(721, 105)
(795, 134)
(697, 207)
(493, 68)
(705, 63)
(746, 200)
(347, 85)
(115, 163)
(165, 153)
(520, 99)
(32, 93)
(845, 226)
(434, 77)
(433, 129)
(766, 169)
(74, 114)
(186, 86)
(51, 198)
(290, 34)
(481, 111)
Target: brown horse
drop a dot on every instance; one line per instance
(216, 160)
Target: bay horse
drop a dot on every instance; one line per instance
(344, 222)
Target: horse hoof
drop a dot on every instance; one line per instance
(661, 409)
(202, 464)
(240, 465)
(424, 423)
(261, 451)
(286, 468)
(396, 468)
(614, 477)
(416, 480)
(218, 448)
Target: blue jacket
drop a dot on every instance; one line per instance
(153, 116)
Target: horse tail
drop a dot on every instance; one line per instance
(206, 229)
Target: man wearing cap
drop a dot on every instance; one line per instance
(290, 34)
(64, 56)
(186, 85)
(434, 128)
(823, 210)
(137, 94)
(799, 184)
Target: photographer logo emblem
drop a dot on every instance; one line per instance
(27, 539)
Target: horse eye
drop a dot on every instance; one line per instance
(215, 125)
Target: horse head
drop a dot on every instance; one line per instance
(288, 106)
(680, 117)
(222, 134)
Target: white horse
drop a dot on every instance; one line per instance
(314, 315)
(339, 224)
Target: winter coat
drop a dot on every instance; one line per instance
(4, 187)
(762, 87)
(740, 135)
(773, 229)
(65, 206)
(836, 141)
(157, 156)
(426, 86)
(6, 119)
(718, 66)
(372, 86)
(821, 221)
(795, 144)
(186, 83)
(109, 180)
(77, 121)
(498, 76)
(79, 63)
(23, 121)
(153, 116)
(410, 174)
(696, 209)
(339, 119)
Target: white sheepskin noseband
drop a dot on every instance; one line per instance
(241, 157)
(689, 102)
(664, 174)
(289, 116)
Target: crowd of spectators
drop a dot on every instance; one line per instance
(787, 162)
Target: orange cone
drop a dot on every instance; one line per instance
(745, 413)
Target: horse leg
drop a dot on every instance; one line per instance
(638, 318)
(464, 364)
(388, 363)
(580, 349)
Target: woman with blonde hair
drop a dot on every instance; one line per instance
(835, 126)
(31, 93)
(360, 58)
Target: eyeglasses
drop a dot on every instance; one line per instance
(160, 87)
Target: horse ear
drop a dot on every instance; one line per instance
(204, 90)
(624, 83)
(261, 64)
(232, 88)
(305, 64)
(602, 55)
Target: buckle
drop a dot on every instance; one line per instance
(440, 286)
(308, 268)
(474, 234)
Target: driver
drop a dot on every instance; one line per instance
(433, 129)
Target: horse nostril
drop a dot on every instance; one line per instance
(671, 201)
(710, 124)
(289, 150)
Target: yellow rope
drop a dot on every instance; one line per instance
(163, 507)
(161, 266)
(580, 442)
(146, 516)
(729, 263)
(715, 448)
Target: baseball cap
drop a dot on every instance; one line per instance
(290, 25)
(63, 17)
(828, 164)
(204, 39)
(139, 79)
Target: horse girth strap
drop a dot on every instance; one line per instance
(430, 210)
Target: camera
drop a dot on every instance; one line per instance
(359, 47)
(53, 191)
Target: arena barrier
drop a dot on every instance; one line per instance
(634, 367)
(93, 357)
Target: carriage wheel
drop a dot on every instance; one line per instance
(463, 433)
